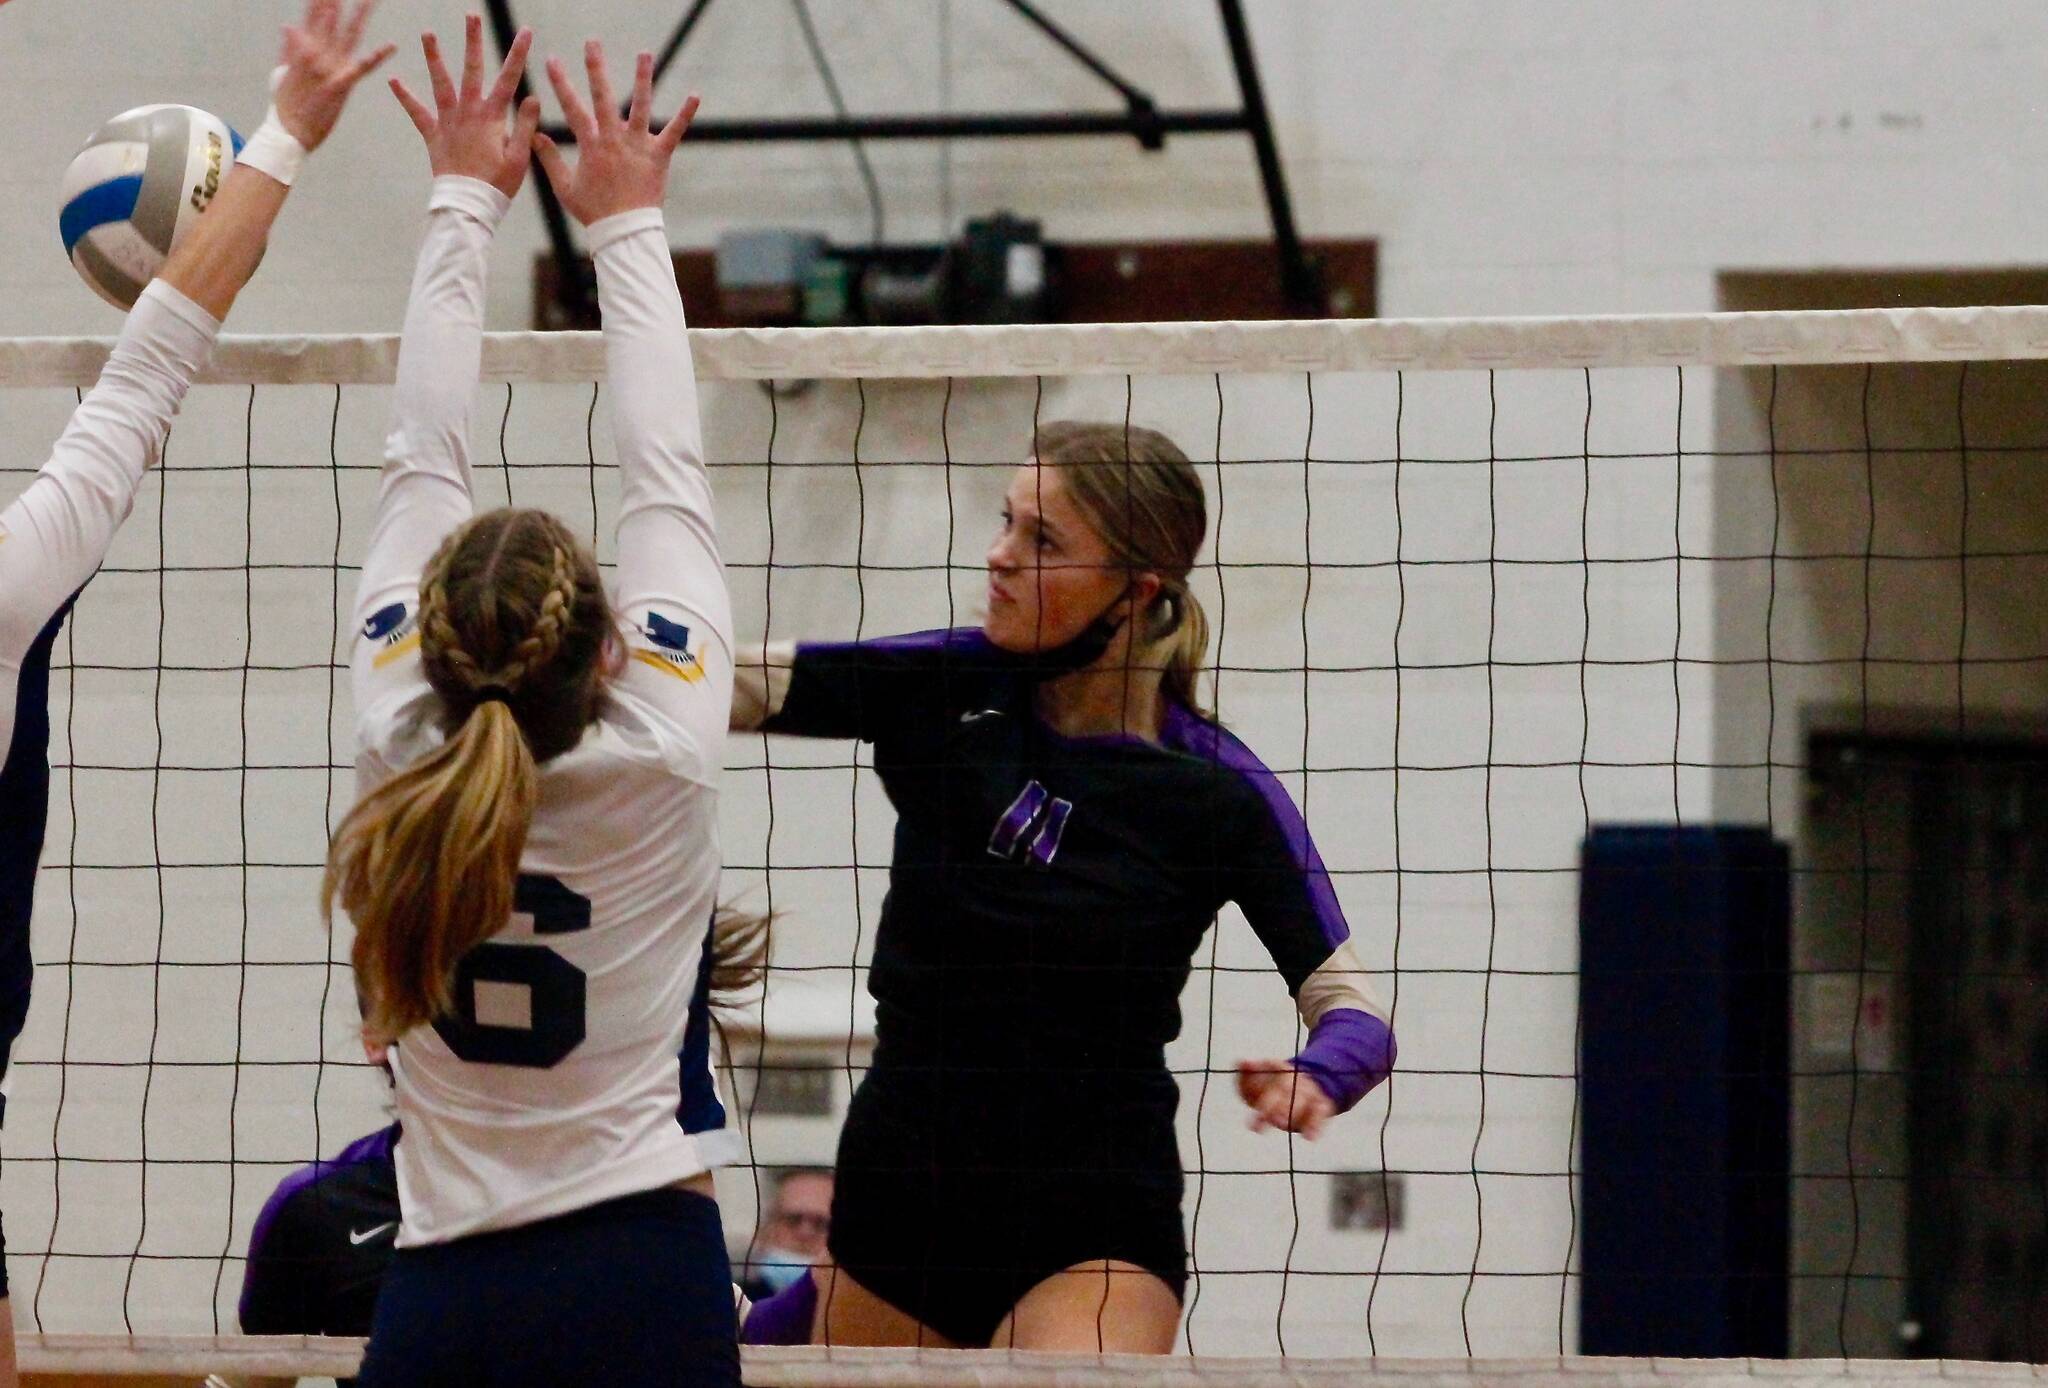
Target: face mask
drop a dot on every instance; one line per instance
(779, 1267)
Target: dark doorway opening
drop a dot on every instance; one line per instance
(1961, 824)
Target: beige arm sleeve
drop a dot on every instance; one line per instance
(760, 683)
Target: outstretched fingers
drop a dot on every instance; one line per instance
(600, 83)
(679, 124)
(472, 57)
(437, 72)
(367, 64)
(514, 70)
(550, 155)
(575, 110)
(643, 92)
(358, 21)
(528, 126)
(422, 119)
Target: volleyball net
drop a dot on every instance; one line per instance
(1477, 589)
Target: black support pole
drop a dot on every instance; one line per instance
(577, 284)
(680, 37)
(800, 129)
(1143, 109)
(1298, 277)
(1300, 280)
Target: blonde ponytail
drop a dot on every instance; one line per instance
(1187, 648)
(513, 620)
(739, 946)
(425, 866)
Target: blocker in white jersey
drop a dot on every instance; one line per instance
(546, 1078)
(532, 862)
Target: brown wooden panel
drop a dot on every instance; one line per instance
(1100, 282)
(1173, 282)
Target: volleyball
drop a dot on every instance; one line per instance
(135, 190)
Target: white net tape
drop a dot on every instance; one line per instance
(1815, 338)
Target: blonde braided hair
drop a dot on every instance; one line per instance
(540, 645)
(513, 621)
(545, 639)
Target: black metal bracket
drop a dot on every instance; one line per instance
(1141, 119)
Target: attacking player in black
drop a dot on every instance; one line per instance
(1069, 821)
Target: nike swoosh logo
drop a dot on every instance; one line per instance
(365, 1235)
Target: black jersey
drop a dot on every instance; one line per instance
(322, 1243)
(1047, 893)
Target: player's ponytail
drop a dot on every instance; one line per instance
(1187, 649)
(425, 866)
(1144, 498)
(512, 625)
(739, 958)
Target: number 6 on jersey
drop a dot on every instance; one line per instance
(521, 1004)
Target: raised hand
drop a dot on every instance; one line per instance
(466, 131)
(621, 162)
(320, 68)
(1280, 1096)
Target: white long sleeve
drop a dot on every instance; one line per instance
(55, 535)
(671, 591)
(424, 491)
(605, 1087)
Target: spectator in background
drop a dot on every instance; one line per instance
(791, 1236)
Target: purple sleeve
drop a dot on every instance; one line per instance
(785, 1318)
(870, 690)
(1348, 1052)
(1271, 867)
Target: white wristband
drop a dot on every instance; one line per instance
(273, 149)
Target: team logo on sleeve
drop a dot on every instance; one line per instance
(668, 648)
(395, 630)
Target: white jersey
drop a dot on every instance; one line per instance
(56, 533)
(52, 538)
(577, 1068)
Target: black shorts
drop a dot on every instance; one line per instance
(322, 1243)
(942, 1212)
(635, 1291)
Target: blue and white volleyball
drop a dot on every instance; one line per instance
(135, 190)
